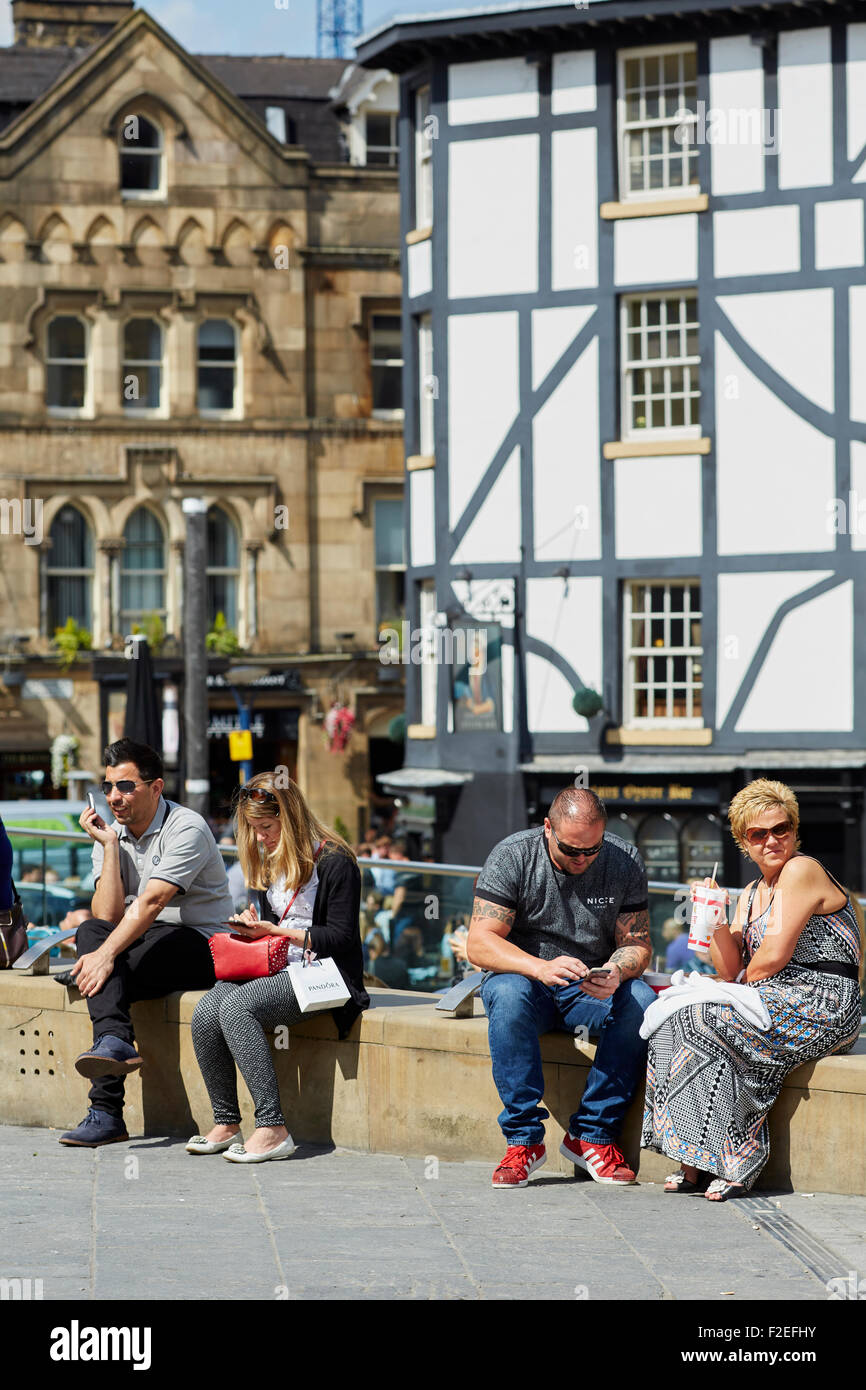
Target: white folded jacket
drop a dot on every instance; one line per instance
(700, 989)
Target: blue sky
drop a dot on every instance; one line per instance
(253, 26)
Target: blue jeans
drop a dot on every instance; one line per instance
(520, 1010)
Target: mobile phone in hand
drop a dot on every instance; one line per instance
(236, 922)
(91, 801)
(599, 971)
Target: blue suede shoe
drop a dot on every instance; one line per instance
(109, 1056)
(97, 1127)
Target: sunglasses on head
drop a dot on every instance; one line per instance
(125, 786)
(259, 794)
(756, 835)
(574, 853)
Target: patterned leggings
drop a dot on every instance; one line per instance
(228, 1026)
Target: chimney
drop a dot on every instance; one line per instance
(66, 23)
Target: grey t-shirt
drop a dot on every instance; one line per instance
(561, 914)
(177, 846)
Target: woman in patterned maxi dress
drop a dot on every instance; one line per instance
(712, 1078)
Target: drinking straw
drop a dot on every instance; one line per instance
(713, 874)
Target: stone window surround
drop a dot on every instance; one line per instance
(178, 313)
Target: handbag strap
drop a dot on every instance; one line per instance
(291, 901)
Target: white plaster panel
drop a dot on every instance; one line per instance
(737, 102)
(493, 222)
(815, 640)
(497, 89)
(574, 253)
(573, 82)
(553, 330)
(747, 603)
(856, 91)
(774, 471)
(655, 250)
(658, 507)
(569, 619)
(805, 108)
(565, 466)
(839, 234)
(423, 517)
(494, 535)
(793, 331)
(482, 397)
(857, 320)
(420, 266)
(855, 502)
(757, 241)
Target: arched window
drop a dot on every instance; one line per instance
(69, 570)
(703, 846)
(66, 363)
(659, 843)
(141, 384)
(140, 148)
(217, 366)
(142, 572)
(223, 567)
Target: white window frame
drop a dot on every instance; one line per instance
(64, 572)
(129, 616)
(624, 127)
(393, 149)
(692, 654)
(275, 116)
(428, 671)
(71, 412)
(396, 362)
(426, 396)
(629, 365)
(423, 160)
(227, 571)
(143, 195)
(236, 412)
(130, 407)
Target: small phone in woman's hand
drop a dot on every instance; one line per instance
(91, 801)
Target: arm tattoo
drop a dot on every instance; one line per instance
(634, 947)
(481, 908)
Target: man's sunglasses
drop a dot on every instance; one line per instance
(756, 835)
(574, 853)
(125, 786)
(258, 794)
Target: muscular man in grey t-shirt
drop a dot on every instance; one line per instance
(552, 905)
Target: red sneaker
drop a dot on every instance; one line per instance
(603, 1162)
(520, 1160)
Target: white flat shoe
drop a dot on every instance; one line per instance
(238, 1154)
(199, 1145)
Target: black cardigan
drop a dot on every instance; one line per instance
(335, 930)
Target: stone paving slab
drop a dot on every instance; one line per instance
(145, 1220)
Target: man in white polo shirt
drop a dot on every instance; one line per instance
(160, 893)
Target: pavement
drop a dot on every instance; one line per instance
(144, 1220)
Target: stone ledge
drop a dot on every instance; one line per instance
(406, 1080)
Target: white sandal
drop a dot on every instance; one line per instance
(199, 1145)
(238, 1154)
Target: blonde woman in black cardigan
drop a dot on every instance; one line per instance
(304, 878)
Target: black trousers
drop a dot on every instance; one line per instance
(163, 960)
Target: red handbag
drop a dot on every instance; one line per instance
(235, 958)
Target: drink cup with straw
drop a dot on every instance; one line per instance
(709, 910)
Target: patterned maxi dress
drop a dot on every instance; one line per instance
(712, 1078)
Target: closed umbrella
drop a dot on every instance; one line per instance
(143, 721)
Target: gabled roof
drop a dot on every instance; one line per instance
(25, 73)
(309, 79)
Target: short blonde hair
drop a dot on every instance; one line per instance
(759, 796)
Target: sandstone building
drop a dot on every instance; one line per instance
(199, 297)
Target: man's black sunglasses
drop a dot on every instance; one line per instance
(574, 853)
(258, 794)
(124, 786)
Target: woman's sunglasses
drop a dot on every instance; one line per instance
(756, 835)
(259, 794)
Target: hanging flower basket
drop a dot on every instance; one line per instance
(339, 722)
(64, 751)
